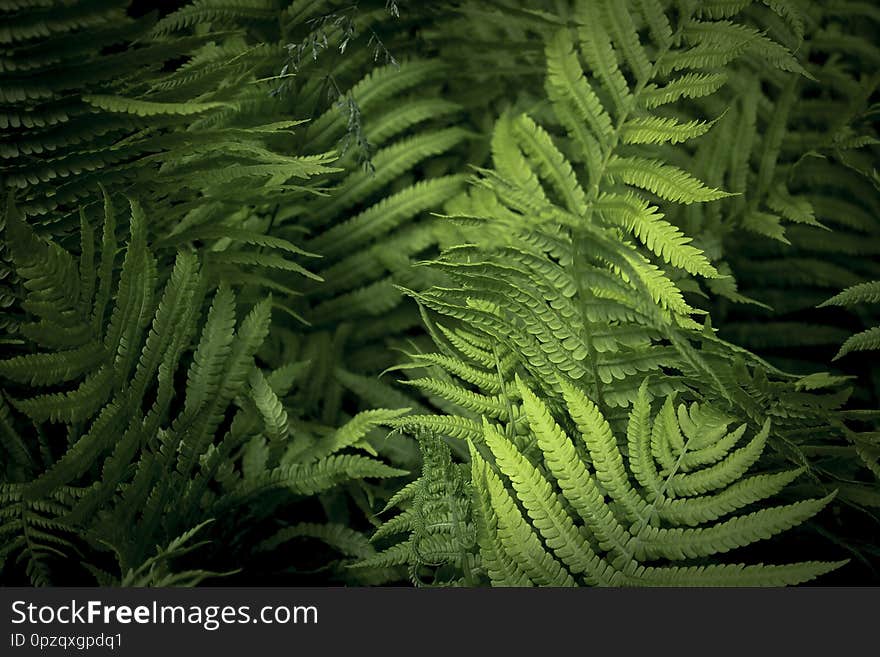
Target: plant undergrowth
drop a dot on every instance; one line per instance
(455, 293)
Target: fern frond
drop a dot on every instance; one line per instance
(147, 108)
(347, 541)
(625, 529)
(308, 479)
(442, 425)
(659, 130)
(661, 237)
(861, 293)
(668, 182)
(867, 340)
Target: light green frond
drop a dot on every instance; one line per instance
(656, 20)
(661, 237)
(572, 476)
(502, 569)
(599, 440)
(688, 85)
(737, 574)
(441, 425)
(622, 29)
(737, 532)
(664, 180)
(475, 402)
(723, 473)
(519, 540)
(628, 527)
(700, 510)
(600, 55)
(552, 165)
(512, 164)
(485, 380)
(566, 79)
(659, 130)
(541, 503)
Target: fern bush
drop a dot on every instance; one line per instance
(460, 293)
(679, 463)
(139, 459)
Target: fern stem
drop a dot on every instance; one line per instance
(646, 519)
(579, 237)
(511, 427)
(578, 276)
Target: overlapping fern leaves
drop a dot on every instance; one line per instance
(685, 506)
(661, 185)
(140, 462)
(588, 247)
(182, 121)
(579, 277)
(375, 224)
(208, 150)
(799, 152)
(79, 115)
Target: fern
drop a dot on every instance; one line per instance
(373, 226)
(535, 186)
(132, 458)
(550, 272)
(472, 240)
(806, 217)
(440, 548)
(575, 511)
(862, 293)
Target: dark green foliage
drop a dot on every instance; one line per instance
(622, 256)
(143, 462)
(805, 225)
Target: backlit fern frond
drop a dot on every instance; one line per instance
(564, 503)
(575, 274)
(653, 518)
